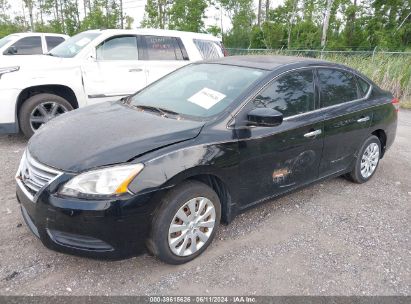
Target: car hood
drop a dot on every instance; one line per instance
(105, 134)
(34, 62)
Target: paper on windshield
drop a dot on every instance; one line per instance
(83, 41)
(206, 98)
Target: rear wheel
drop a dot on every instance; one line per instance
(185, 223)
(39, 109)
(367, 161)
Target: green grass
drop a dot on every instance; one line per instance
(390, 72)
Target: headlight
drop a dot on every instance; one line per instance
(102, 182)
(8, 70)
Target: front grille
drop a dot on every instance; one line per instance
(35, 175)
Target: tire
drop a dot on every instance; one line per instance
(356, 175)
(166, 216)
(32, 106)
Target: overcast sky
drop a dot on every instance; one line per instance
(135, 9)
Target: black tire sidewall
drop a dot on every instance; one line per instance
(170, 204)
(29, 105)
(357, 176)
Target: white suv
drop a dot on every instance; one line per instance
(91, 67)
(29, 43)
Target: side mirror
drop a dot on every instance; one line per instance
(11, 51)
(264, 117)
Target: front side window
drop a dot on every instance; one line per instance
(53, 41)
(28, 46)
(208, 49)
(290, 94)
(72, 46)
(162, 48)
(118, 48)
(336, 87)
(198, 90)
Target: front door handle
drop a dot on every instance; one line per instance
(364, 119)
(135, 70)
(313, 133)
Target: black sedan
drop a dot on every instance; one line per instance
(161, 168)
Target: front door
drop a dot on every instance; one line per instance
(117, 70)
(274, 160)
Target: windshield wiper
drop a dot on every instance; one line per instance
(160, 110)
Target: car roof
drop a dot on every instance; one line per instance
(38, 33)
(148, 31)
(268, 62)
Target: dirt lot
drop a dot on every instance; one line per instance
(333, 238)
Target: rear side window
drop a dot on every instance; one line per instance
(290, 94)
(208, 49)
(118, 48)
(28, 46)
(363, 86)
(53, 41)
(336, 87)
(162, 48)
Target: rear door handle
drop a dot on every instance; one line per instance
(313, 133)
(135, 70)
(364, 119)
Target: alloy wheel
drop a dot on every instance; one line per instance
(44, 112)
(369, 160)
(191, 226)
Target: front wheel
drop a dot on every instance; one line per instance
(39, 109)
(367, 161)
(185, 223)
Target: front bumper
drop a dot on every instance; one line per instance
(8, 101)
(112, 229)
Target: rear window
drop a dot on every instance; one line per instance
(336, 86)
(162, 48)
(208, 49)
(53, 41)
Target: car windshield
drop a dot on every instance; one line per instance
(198, 90)
(72, 46)
(7, 39)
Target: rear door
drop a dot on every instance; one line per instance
(162, 55)
(116, 71)
(277, 159)
(347, 118)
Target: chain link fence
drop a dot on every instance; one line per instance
(319, 53)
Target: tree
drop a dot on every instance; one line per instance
(242, 17)
(187, 15)
(326, 22)
(156, 14)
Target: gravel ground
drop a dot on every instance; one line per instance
(333, 238)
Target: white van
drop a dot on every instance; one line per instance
(91, 67)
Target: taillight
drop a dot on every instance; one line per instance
(396, 103)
